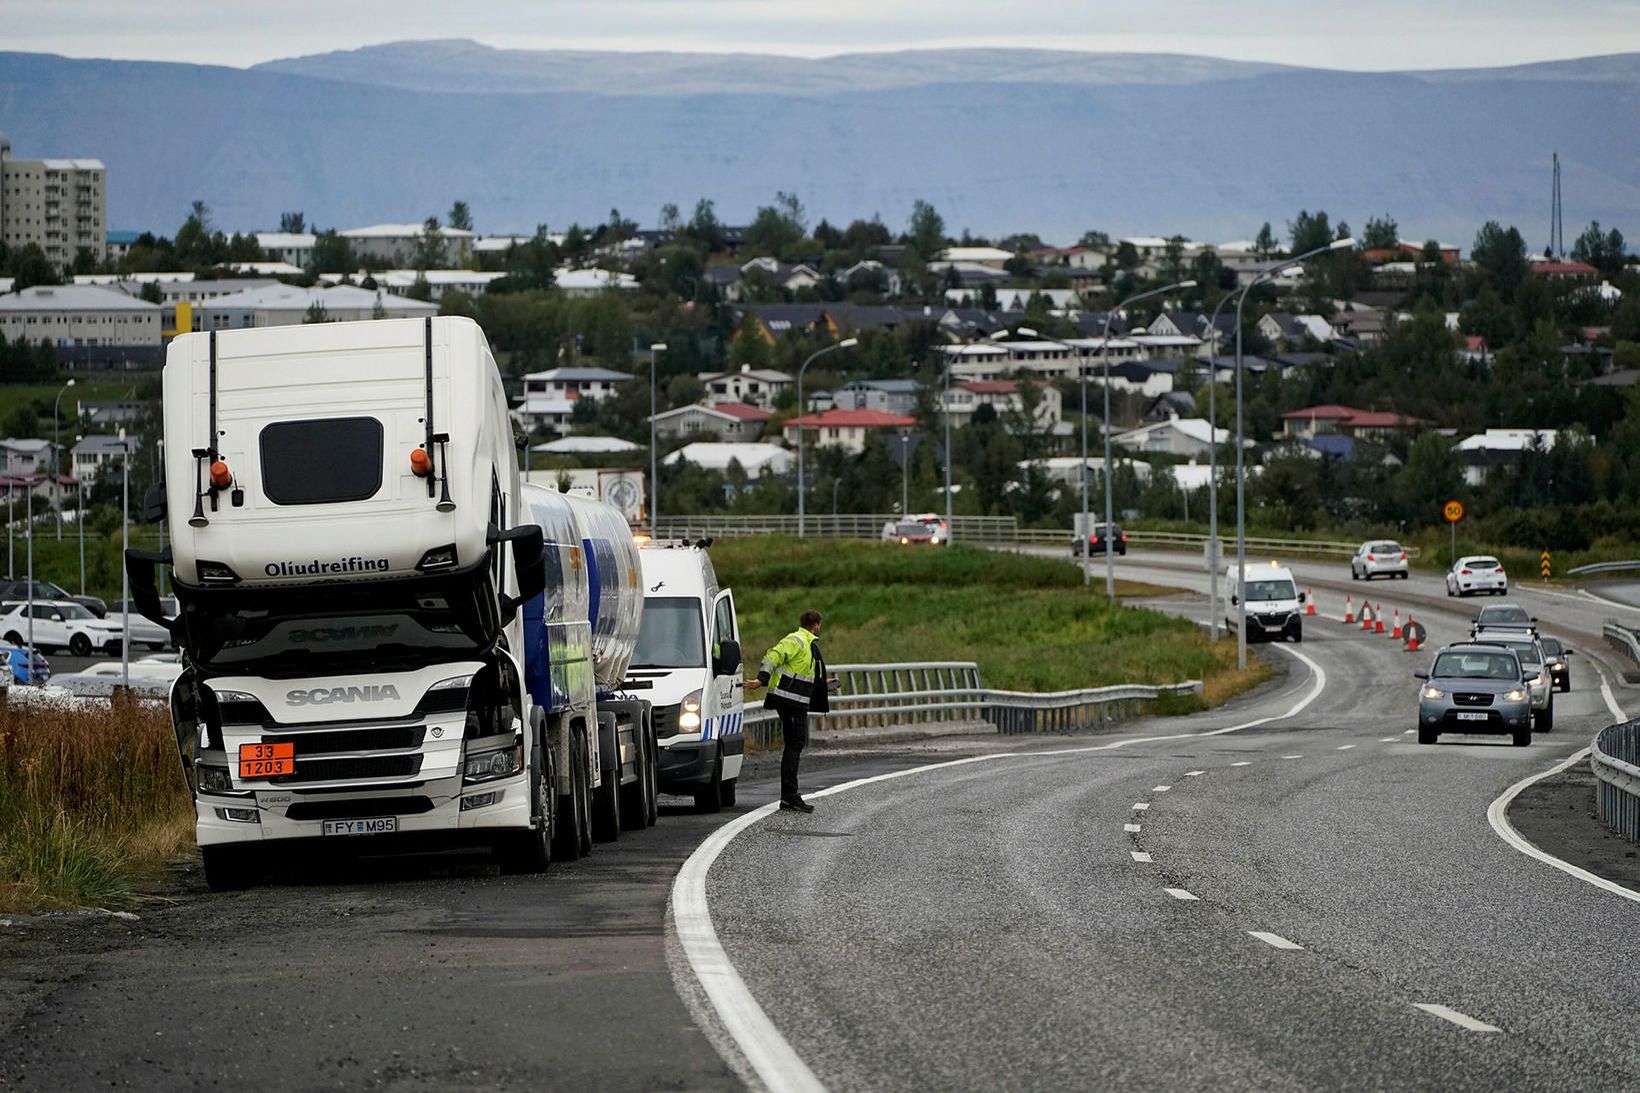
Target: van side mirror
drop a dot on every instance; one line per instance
(153, 504)
(1420, 674)
(1234, 599)
(1301, 597)
(727, 662)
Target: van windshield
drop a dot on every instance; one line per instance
(671, 634)
(1271, 590)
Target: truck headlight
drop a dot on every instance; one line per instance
(214, 780)
(1516, 695)
(1433, 693)
(486, 766)
(689, 717)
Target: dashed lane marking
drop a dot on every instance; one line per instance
(1462, 1020)
(1131, 828)
(1345, 747)
(1141, 806)
(1389, 739)
(1178, 893)
(1243, 763)
(1408, 732)
(1139, 855)
(1160, 789)
(1275, 941)
(1194, 773)
(1292, 757)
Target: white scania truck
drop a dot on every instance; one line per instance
(351, 551)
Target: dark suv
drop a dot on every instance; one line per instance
(17, 591)
(1096, 543)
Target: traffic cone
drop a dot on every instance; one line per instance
(1366, 615)
(1396, 633)
(1378, 620)
(1309, 605)
(1349, 609)
(1412, 635)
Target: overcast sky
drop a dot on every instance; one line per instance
(1376, 34)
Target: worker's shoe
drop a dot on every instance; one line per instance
(795, 804)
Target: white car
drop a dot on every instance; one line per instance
(1379, 558)
(60, 624)
(1475, 575)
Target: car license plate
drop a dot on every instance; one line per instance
(1467, 716)
(380, 825)
(266, 760)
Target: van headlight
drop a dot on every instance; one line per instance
(689, 716)
(486, 766)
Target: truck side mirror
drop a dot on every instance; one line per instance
(140, 567)
(727, 662)
(153, 504)
(530, 562)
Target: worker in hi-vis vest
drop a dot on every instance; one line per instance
(795, 673)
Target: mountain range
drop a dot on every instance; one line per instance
(999, 140)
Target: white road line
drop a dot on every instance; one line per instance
(1389, 739)
(762, 1045)
(1131, 828)
(1497, 813)
(1292, 757)
(1345, 747)
(1141, 806)
(1408, 732)
(1160, 789)
(1462, 1020)
(1275, 941)
(1243, 763)
(1139, 855)
(1194, 773)
(1178, 893)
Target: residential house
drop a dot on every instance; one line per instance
(1578, 272)
(93, 453)
(1148, 377)
(587, 445)
(992, 257)
(574, 382)
(290, 305)
(438, 281)
(725, 421)
(1406, 251)
(868, 272)
(1040, 357)
(791, 277)
(761, 387)
(293, 247)
(89, 325)
(120, 244)
(1376, 425)
(845, 428)
(1169, 404)
(1193, 437)
(883, 396)
(581, 283)
(754, 459)
(26, 456)
(102, 415)
(1003, 396)
(1480, 453)
(1294, 331)
(1069, 471)
(396, 245)
(773, 320)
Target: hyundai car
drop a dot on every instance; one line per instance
(1474, 688)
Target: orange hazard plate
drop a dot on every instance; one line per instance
(266, 760)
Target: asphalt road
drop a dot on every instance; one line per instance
(977, 926)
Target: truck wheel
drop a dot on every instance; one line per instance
(573, 826)
(606, 806)
(531, 851)
(635, 797)
(710, 797)
(653, 786)
(229, 868)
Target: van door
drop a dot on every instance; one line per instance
(728, 686)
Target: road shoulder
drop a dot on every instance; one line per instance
(1558, 815)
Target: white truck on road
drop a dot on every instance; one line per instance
(351, 550)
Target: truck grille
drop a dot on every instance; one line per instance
(330, 770)
(666, 721)
(378, 739)
(1461, 699)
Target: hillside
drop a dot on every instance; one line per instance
(997, 140)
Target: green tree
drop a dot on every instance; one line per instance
(776, 227)
(1381, 232)
(30, 267)
(419, 288)
(861, 235)
(316, 313)
(294, 223)
(927, 231)
(1602, 250)
(429, 249)
(1309, 232)
(1265, 245)
(333, 253)
(1500, 253)
(1094, 239)
(461, 216)
(705, 227)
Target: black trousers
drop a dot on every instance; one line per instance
(794, 729)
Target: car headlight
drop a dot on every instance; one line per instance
(1516, 695)
(1433, 693)
(487, 765)
(689, 718)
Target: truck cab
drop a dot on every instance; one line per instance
(688, 665)
(1275, 606)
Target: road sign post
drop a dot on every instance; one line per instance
(1544, 562)
(1453, 511)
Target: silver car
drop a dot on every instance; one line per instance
(1533, 665)
(144, 632)
(1475, 688)
(1379, 558)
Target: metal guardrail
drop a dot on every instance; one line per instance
(1615, 761)
(1622, 640)
(1601, 567)
(973, 530)
(894, 695)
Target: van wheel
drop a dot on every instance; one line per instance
(729, 793)
(710, 797)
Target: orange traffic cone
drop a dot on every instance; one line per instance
(1349, 609)
(1378, 620)
(1396, 633)
(1366, 615)
(1309, 605)
(1412, 634)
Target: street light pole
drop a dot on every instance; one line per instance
(1110, 522)
(816, 355)
(905, 474)
(1213, 468)
(1241, 477)
(56, 458)
(125, 578)
(950, 522)
(655, 351)
(80, 520)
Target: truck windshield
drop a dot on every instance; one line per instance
(671, 635)
(1271, 590)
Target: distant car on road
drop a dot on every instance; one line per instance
(144, 632)
(1477, 574)
(1474, 689)
(13, 591)
(1560, 671)
(1379, 558)
(1532, 659)
(59, 624)
(1506, 616)
(1098, 541)
(914, 533)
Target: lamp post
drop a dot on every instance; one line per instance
(1213, 468)
(125, 545)
(655, 350)
(1104, 354)
(846, 343)
(28, 593)
(79, 515)
(905, 473)
(56, 457)
(950, 521)
(1241, 477)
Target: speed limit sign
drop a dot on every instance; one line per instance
(1453, 511)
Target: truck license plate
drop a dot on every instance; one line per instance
(381, 825)
(1471, 716)
(266, 760)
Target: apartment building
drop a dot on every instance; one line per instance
(59, 204)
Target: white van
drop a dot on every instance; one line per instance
(688, 665)
(1275, 606)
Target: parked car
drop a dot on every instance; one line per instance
(144, 632)
(1530, 653)
(23, 671)
(11, 591)
(1560, 671)
(1475, 574)
(1506, 616)
(1097, 540)
(59, 624)
(1379, 558)
(1474, 689)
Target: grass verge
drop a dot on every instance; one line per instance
(91, 803)
(1029, 622)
